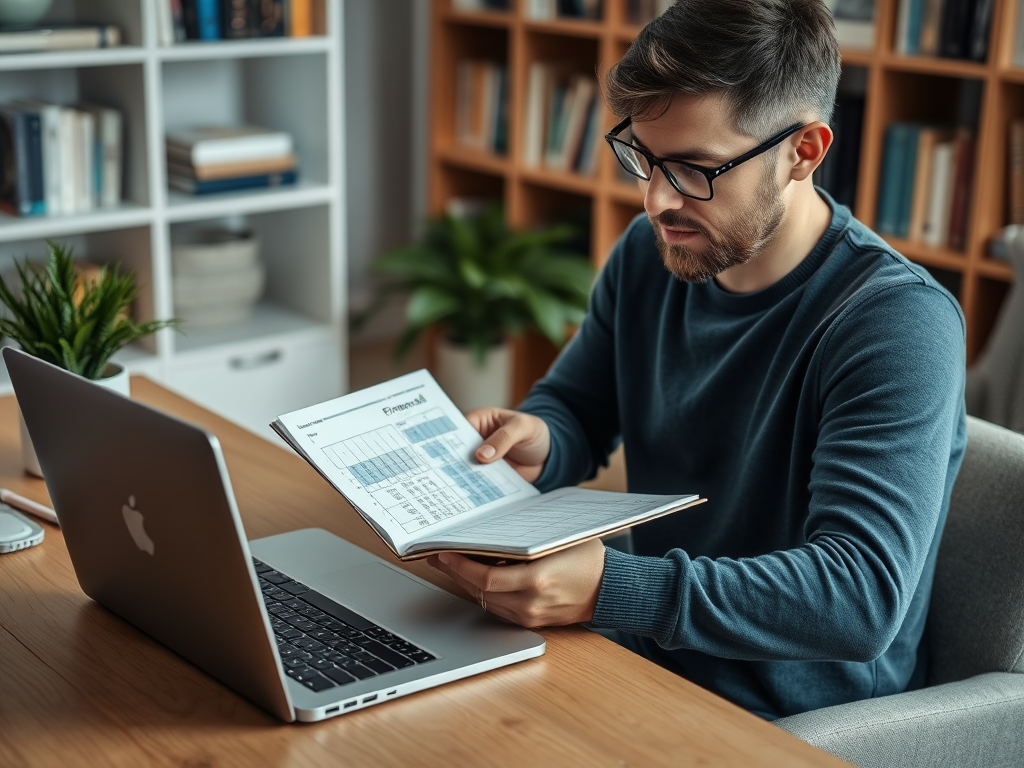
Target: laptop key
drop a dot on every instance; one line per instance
(421, 656)
(318, 683)
(294, 588)
(304, 672)
(379, 666)
(340, 612)
(274, 577)
(293, 662)
(381, 651)
(360, 671)
(340, 676)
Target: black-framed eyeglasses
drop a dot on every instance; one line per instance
(686, 178)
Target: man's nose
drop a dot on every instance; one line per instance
(660, 195)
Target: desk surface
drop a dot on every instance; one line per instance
(76, 682)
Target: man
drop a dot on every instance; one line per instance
(751, 341)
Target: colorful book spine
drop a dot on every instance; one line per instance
(907, 181)
(891, 178)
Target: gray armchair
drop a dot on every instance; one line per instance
(972, 712)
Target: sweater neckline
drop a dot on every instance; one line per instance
(757, 301)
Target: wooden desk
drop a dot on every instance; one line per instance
(80, 686)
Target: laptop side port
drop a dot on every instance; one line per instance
(352, 703)
(368, 699)
(332, 710)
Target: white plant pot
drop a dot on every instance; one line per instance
(115, 378)
(470, 386)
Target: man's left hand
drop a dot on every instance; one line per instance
(559, 589)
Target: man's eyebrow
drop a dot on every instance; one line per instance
(691, 156)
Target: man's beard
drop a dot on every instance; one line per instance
(747, 234)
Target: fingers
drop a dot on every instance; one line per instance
(477, 577)
(499, 442)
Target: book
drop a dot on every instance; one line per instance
(21, 175)
(86, 187)
(931, 23)
(108, 160)
(202, 19)
(227, 144)
(535, 114)
(936, 224)
(960, 200)
(232, 170)
(300, 18)
(981, 21)
(270, 17)
(49, 126)
(192, 186)
(890, 193)
(906, 188)
(955, 28)
(922, 184)
(26, 40)
(1015, 187)
(239, 19)
(401, 454)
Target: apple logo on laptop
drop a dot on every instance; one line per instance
(136, 526)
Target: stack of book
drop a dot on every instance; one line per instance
(182, 20)
(15, 39)
(481, 106)
(59, 160)
(957, 29)
(208, 160)
(925, 184)
(563, 115)
(573, 9)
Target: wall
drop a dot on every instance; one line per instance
(386, 62)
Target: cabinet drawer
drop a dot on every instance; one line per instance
(256, 386)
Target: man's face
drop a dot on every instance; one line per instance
(698, 239)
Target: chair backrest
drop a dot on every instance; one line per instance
(976, 618)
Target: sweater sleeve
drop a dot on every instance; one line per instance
(892, 429)
(577, 398)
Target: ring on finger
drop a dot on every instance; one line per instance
(480, 599)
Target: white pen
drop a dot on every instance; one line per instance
(27, 505)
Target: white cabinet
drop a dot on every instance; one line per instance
(290, 353)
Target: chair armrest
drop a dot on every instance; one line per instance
(974, 722)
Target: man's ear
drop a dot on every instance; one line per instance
(811, 143)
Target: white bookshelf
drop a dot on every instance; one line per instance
(291, 352)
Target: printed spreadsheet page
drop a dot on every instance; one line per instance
(402, 454)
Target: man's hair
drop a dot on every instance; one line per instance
(771, 59)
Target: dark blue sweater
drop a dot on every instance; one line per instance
(823, 418)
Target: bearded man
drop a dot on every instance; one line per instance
(749, 340)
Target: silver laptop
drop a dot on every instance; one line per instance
(304, 624)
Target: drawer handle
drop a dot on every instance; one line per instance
(256, 361)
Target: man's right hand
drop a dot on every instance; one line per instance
(523, 440)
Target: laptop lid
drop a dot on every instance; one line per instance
(151, 525)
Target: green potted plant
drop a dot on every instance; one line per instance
(482, 282)
(74, 323)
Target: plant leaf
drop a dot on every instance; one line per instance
(428, 305)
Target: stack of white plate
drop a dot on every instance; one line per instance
(217, 277)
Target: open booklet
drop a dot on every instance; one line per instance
(401, 454)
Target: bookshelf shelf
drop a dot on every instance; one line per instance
(1012, 75)
(932, 65)
(479, 18)
(997, 270)
(892, 88)
(182, 207)
(104, 57)
(568, 182)
(570, 27)
(234, 49)
(125, 216)
(928, 255)
(474, 160)
(290, 352)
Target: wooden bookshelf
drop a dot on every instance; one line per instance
(897, 88)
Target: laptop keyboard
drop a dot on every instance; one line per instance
(324, 644)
